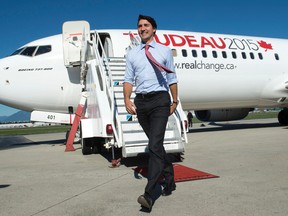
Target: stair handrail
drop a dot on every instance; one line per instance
(178, 112)
(107, 79)
(180, 119)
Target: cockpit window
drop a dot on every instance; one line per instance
(28, 51)
(43, 49)
(17, 51)
(33, 50)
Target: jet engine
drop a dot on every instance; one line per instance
(222, 114)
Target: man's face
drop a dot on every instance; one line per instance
(145, 31)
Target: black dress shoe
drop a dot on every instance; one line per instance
(145, 201)
(167, 190)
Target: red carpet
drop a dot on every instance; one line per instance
(181, 173)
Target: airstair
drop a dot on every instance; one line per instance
(105, 120)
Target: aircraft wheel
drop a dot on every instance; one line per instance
(283, 117)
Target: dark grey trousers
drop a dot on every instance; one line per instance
(153, 112)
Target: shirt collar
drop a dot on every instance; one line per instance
(152, 44)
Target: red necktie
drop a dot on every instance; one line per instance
(154, 62)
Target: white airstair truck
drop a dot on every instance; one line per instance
(102, 117)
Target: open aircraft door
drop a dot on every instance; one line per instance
(75, 34)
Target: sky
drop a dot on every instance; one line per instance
(24, 21)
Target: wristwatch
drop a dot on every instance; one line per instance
(175, 102)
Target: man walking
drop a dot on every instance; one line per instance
(190, 117)
(150, 65)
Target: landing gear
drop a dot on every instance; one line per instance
(283, 117)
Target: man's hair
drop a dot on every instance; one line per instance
(149, 19)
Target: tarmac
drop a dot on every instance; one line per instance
(37, 177)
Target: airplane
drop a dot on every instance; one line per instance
(221, 77)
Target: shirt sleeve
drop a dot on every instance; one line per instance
(129, 72)
(171, 77)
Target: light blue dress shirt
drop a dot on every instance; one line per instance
(146, 77)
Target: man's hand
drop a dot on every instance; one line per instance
(130, 107)
(174, 92)
(173, 108)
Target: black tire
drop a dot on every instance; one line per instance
(76, 138)
(95, 149)
(283, 117)
(67, 134)
(86, 144)
(97, 145)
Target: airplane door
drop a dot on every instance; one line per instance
(107, 45)
(73, 34)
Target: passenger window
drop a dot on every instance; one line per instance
(184, 53)
(243, 55)
(276, 56)
(28, 51)
(214, 54)
(252, 55)
(43, 49)
(224, 54)
(260, 56)
(234, 55)
(174, 52)
(194, 53)
(204, 53)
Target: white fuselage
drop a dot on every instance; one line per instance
(206, 81)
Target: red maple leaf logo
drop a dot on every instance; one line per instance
(265, 45)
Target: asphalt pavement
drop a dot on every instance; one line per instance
(37, 177)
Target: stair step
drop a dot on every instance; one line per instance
(117, 69)
(119, 88)
(123, 117)
(140, 135)
(116, 64)
(119, 95)
(135, 140)
(116, 59)
(116, 74)
(131, 126)
(136, 143)
(121, 103)
(121, 109)
(118, 81)
(136, 149)
(118, 77)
